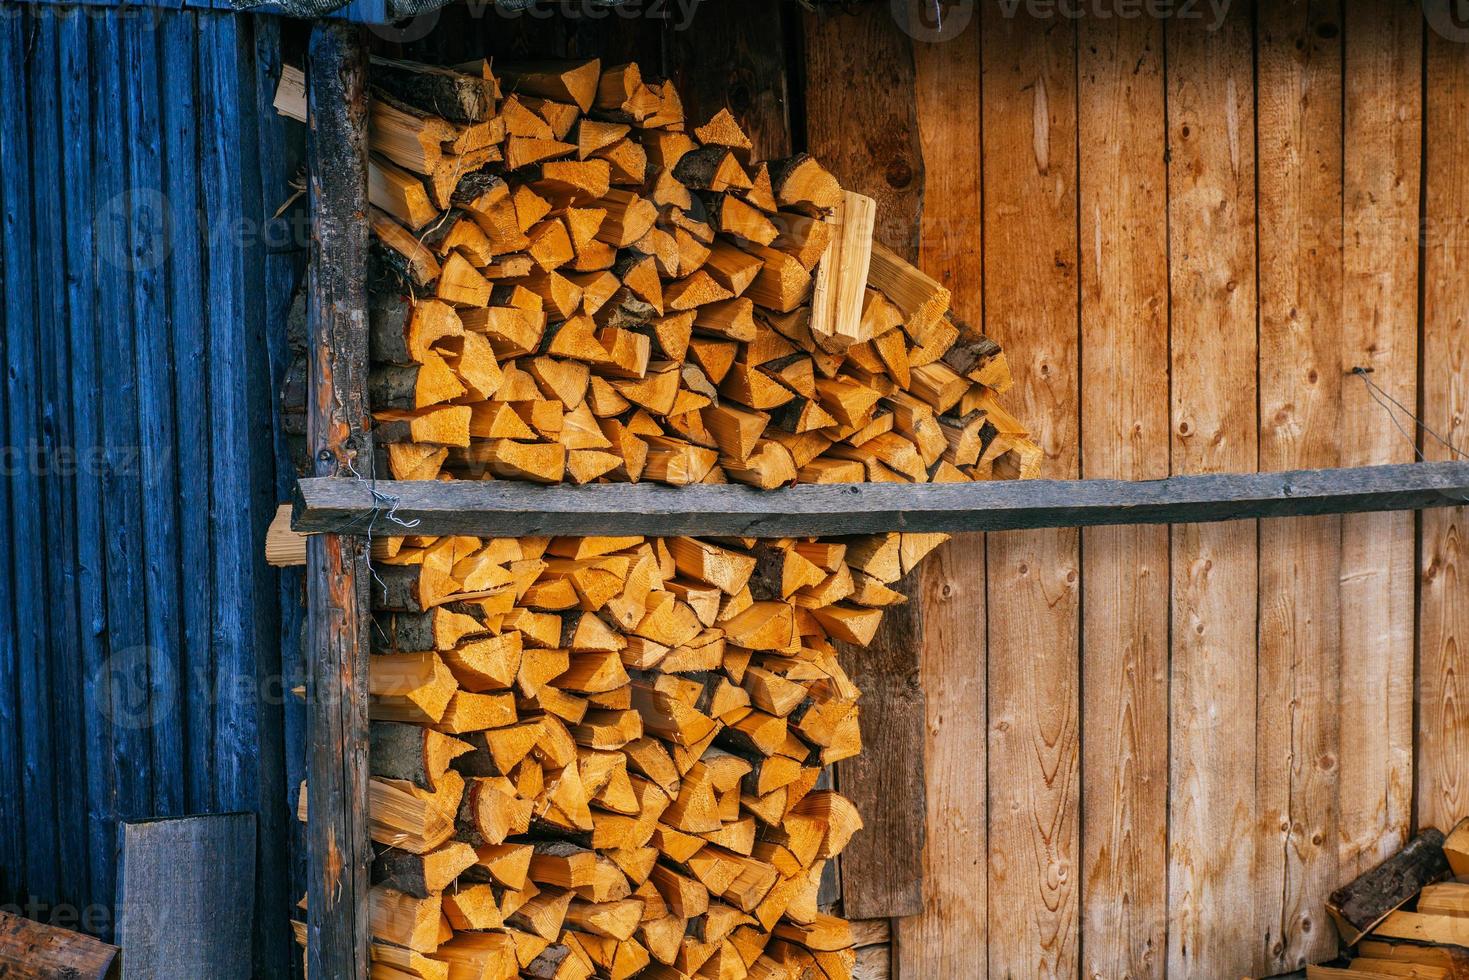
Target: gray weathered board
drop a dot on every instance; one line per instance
(510, 509)
(186, 897)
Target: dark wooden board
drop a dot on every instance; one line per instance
(186, 897)
(503, 508)
(882, 867)
(32, 951)
(337, 573)
(748, 43)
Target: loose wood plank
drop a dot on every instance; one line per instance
(1212, 359)
(1030, 234)
(1299, 142)
(1443, 610)
(1383, 147)
(1124, 434)
(186, 896)
(941, 939)
(337, 566)
(485, 508)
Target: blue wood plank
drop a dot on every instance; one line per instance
(95, 732)
(27, 509)
(285, 243)
(221, 175)
(151, 230)
(282, 258)
(59, 476)
(13, 845)
(124, 692)
(186, 301)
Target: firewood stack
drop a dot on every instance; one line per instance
(1409, 916)
(570, 285)
(600, 755)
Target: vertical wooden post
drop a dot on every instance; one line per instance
(337, 565)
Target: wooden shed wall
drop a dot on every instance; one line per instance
(1150, 751)
(143, 291)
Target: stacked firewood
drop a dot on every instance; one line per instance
(601, 755)
(572, 284)
(1409, 916)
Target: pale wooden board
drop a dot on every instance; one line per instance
(1030, 228)
(943, 940)
(1383, 151)
(1124, 435)
(186, 897)
(1443, 637)
(1299, 146)
(1213, 353)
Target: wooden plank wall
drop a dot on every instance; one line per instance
(140, 671)
(1188, 235)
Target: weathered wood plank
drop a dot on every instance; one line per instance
(28, 643)
(941, 940)
(1030, 275)
(1124, 434)
(867, 136)
(1443, 610)
(1383, 150)
(80, 335)
(1212, 359)
(491, 507)
(186, 897)
(748, 43)
(1299, 143)
(337, 566)
(53, 371)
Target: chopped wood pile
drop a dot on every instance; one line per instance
(572, 284)
(1408, 917)
(604, 755)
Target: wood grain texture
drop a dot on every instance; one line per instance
(1297, 765)
(866, 135)
(1030, 306)
(1380, 198)
(1443, 611)
(186, 897)
(1124, 434)
(882, 867)
(748, 43)
(337, 566)
(1211, 212)
(333, 505)
(32, 951)
(943, 938)
(868, 138)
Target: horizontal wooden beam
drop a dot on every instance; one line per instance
(510, 509)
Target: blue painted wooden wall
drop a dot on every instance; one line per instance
(143, 289)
